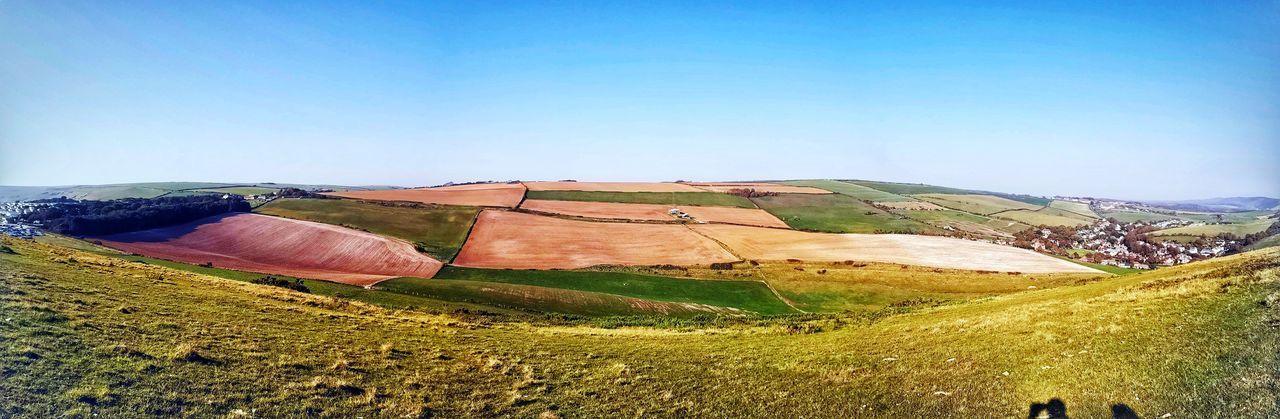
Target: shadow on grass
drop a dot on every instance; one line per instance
(1057, 409)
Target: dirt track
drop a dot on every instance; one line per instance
(938, 252)
(260, 243)
(505, 239)
(654, 212)
(481, 195)
(611, 186)
(762, 187)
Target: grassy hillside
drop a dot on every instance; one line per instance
(712, 199)
(856, 191)
(966, 222)
(977, 204)
(1045, 216)
(440, 230)
(753, 296)
(836, 213)
(1077, 208)
(239, 190)
(86, 334)
(1238, 230)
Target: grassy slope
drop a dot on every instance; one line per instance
(711, 199)
(977, 204)
(856, 191)
(1045, 216)
(1078, 208)
(746, 295)
(967, 222)
(835, 213)
(98, 336)
(239, 190)
(441, 230)
(1216, 229)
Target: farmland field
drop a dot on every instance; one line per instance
(477, 195)
(299, 354)
(507, 239)
(977, 204)
(835, 213)
(611, 186)
(259, 243)
(239, 190)
(726, 187)
(1078, 208)
(749, 296)
(939, 252)
(1044, 216)
(439, 230)
(908, 188)
(1238, 230)
(653, 212)
(710, 199)
(1134, 216)
(857, 191)
(967, 222)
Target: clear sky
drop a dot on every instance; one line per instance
(1158, 100)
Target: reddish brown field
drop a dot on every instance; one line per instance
(480, 195)
(260, 243)
(611, 186)
(505, 239)
(654, 212)
(762, 187)
(938, 252)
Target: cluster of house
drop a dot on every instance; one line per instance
(676, 212)
(9, 226)
(1125, 244)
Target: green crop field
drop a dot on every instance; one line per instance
(753, 296)
(1078, 208)
(908, 188)
(977, 204)
(856, 191)
(836, 213)
(439, 230)
(710, 199)
(86, 334)
(1238, 230)
(1134, 216)
(966, 222)
(1044, 216)
(239, 190)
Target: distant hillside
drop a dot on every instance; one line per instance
(1232, 204)
(143, 190)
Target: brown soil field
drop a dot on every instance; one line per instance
(274, 245)
(654, 212)
(480, 195)
(933, 251)
(506, 239)
(763, 187)
(911, 205)
(612, 186)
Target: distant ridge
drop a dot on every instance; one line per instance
(1229, 204)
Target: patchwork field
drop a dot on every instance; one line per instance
(709, 199)
(911, 205)
(437, 230)
(239, 190)
(933, 251)
(506, 239)
(857, 191)
(759, 186)
(908, 188)
(1044, 216)
(611, 186)
(654, 212)
(977, 204)
(1078, 208)
(477, 195)
(259, 243)
(835, 213)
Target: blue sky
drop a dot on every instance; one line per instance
(1159, 100)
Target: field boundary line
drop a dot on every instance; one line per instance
(474, 220)
(764, 279)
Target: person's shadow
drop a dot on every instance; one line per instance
(1057, 409)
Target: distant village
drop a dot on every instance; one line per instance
(9, 226)
(1124, 245)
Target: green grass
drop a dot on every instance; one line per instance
(908, 188)
(1045, 216)
(710, 199)
(978, 204)
(1115, 270)
(1077, 208)
(857, 191)
(86, 334)
(966, 222)
(239, 190)
(836, 213)
(753, 296)
(440, 230)
(1209, 230)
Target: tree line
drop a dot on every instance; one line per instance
(130, 214)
